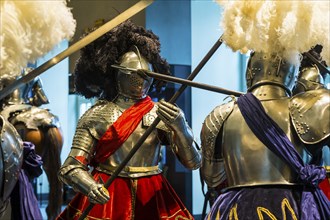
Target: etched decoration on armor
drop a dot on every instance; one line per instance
(107, 132)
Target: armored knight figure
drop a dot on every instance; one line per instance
(40, 127)
(106, 133)
(254, 171)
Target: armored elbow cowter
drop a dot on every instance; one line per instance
(74, 171)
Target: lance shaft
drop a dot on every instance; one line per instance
(75, 47)
(192, 84)
(154, 124)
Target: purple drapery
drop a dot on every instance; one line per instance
(24, 202)
(272, 136)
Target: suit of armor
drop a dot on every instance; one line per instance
(42, 128)
(172, 130)
(232, 152)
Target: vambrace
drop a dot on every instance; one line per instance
(78, 178)
(74, 171)
(183, 145)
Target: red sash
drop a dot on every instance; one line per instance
(121, 129)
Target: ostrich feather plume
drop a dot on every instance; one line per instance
(286, 28)
(30, 29)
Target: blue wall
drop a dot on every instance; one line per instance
(170, 20)
(187, 31)
(55, 84)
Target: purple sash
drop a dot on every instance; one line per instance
(23, 200)
(271, 135)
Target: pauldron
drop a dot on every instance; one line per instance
(32, 117)
(310, 115)
(211, 128)
(103, 114)
(213, 169)
(98, 118)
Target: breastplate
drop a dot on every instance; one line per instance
(145, 160)
(247, 161)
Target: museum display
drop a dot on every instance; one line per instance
(106, 133)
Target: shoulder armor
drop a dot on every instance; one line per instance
(149, 118)
(11, 153)
(310, 115)
(212, 125)
(10, 110)
(98, 118)
(35, 117)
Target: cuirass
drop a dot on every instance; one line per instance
(247, 160)
(145, 160)
(98, 119)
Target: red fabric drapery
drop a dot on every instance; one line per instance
(121, 129)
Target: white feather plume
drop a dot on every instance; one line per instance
(30, 29)
(287, 28)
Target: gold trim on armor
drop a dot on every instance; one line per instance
(140, 169)
(134, 186)
(128, 169)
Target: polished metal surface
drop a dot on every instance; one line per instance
(310, 115)
(272, 70)
(130, 84)
(34, 118)
(231, 150)
(94, 123)
(247, 161)
(11, 152)
(308, 79)
(213, 170)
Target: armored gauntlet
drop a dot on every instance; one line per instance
(74, 171)
(181, 136)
